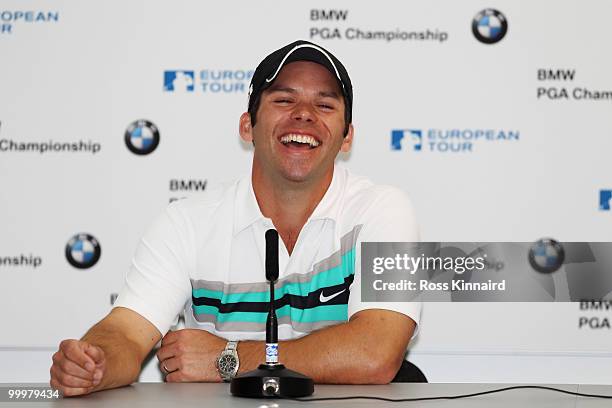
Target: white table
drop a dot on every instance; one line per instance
(147, 395)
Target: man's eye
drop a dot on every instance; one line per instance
(326, 107)
(282, 101)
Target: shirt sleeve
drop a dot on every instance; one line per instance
(157, 285)
(389, 219)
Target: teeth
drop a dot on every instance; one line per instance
(300, 139)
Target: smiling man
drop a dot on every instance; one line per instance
(205, 256)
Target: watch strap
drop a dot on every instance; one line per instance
(231, 346)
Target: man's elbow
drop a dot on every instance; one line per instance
(382, 369)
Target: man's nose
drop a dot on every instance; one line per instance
(303, 112)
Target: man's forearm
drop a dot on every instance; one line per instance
(356, 352)
(123, 360)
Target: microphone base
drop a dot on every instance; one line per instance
(271, 380)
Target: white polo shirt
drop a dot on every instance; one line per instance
(206, 256)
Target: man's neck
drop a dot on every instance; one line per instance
(288, 204)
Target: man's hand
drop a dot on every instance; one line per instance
(189, 355)
(78, 367)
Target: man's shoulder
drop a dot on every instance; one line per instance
(385, 212)
(362, 191)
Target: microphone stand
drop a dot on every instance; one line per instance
(271, 379)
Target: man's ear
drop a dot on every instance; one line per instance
(245, 128)
(348, 139)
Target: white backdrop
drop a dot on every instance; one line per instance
(83, 71)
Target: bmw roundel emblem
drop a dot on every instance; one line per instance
(489, 26)
(546, 255)
(83, 251)
(142, 137)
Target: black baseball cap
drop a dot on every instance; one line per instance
(268, 69)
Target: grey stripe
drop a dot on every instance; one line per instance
(259, 327)
(347, 243)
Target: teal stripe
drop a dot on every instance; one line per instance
(316, 314)
(330, 277)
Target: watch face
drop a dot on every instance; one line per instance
(227, 363)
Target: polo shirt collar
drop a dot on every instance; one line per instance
(247, 212)
(246, 209)
(329, 206)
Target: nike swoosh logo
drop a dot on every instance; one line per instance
(323, 298)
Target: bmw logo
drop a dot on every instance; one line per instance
(489, 26)
(83, 251)
(546, 255)
(142, 137)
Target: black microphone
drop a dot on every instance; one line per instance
(272, 277)
(271, 379)
(272, 255)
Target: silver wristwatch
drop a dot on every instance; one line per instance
(228, 361)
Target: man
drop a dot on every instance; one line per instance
(206, 255)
